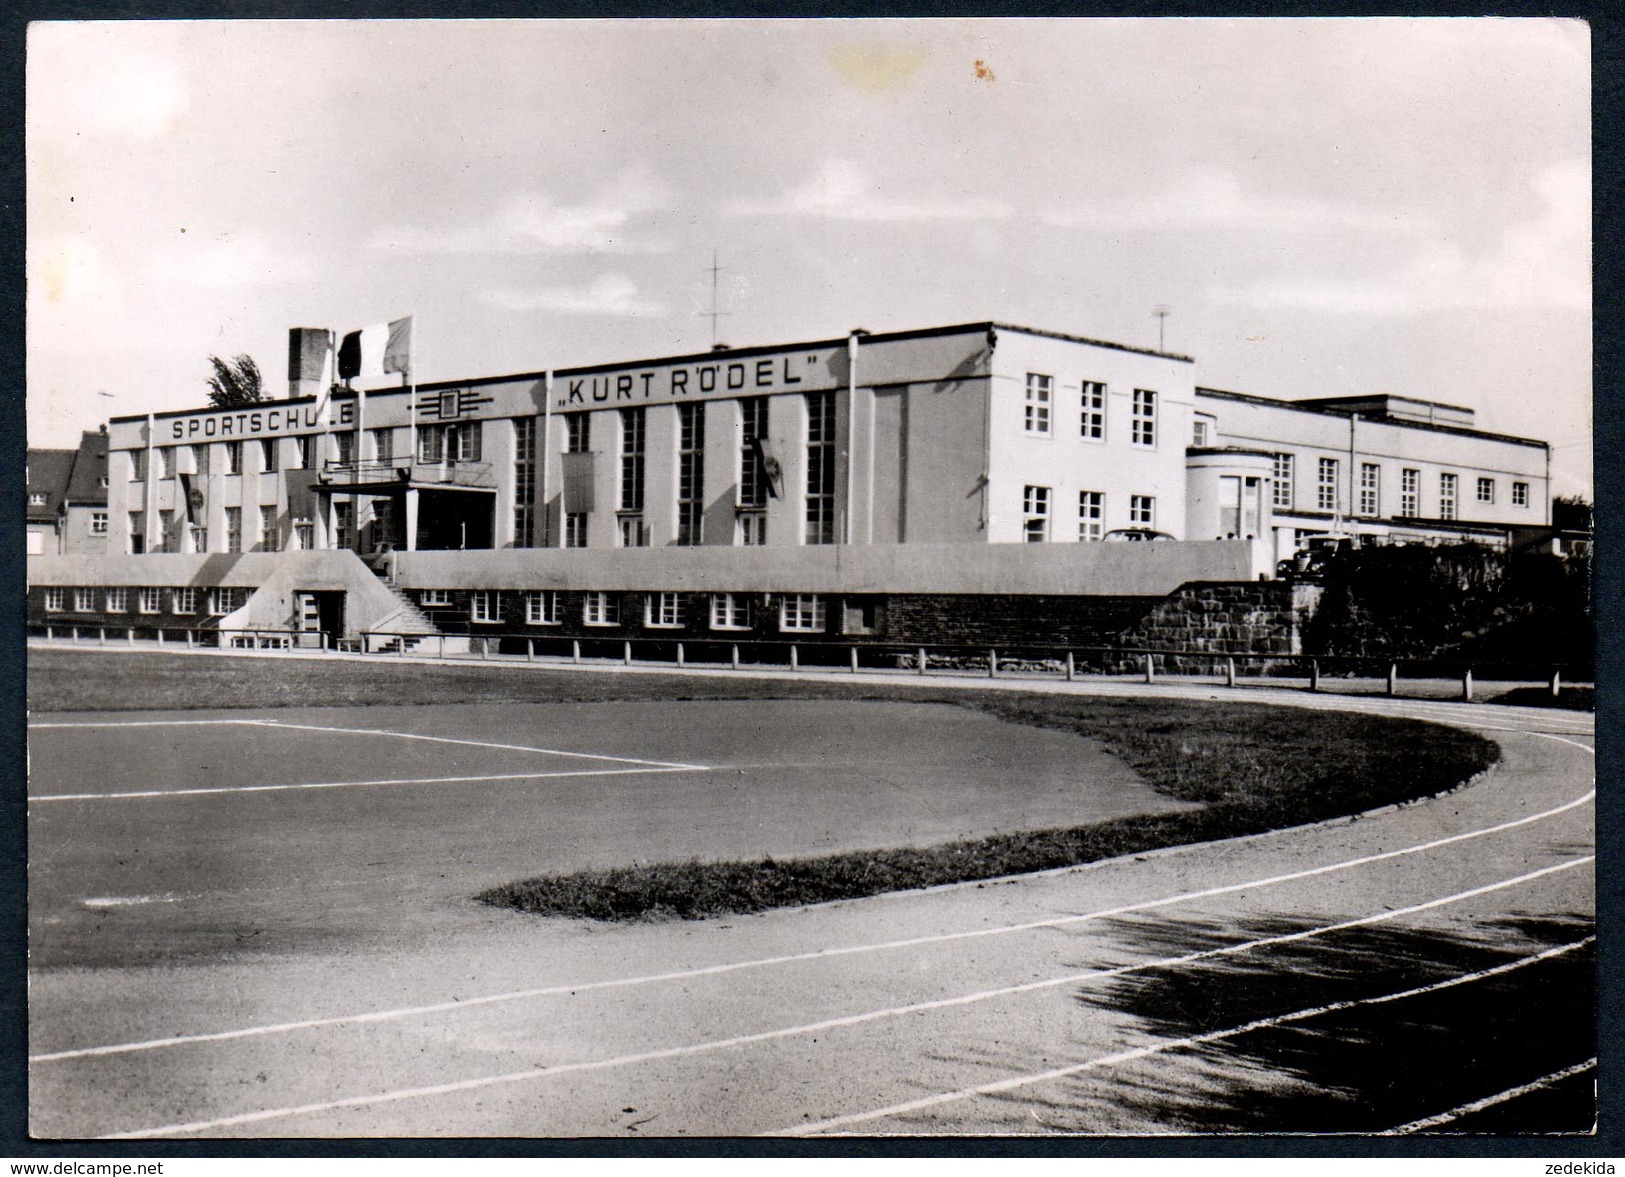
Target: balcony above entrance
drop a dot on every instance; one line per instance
(378, 477)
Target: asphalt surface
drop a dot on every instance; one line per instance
(306, 962)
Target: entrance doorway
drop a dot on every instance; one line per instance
(322, 613)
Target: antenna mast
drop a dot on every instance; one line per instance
(1161, 312)
(714, 314)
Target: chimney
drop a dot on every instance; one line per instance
(310, 360)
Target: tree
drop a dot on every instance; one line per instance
(235, 383)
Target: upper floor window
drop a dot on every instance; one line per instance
(819, 502)
(1144, 425)
(1447, 496)
(234, 529)
(632, 434)
(577, 432)
(1410, 485)
(1520, 494)
(268, 456)
(304, 447)
(1199, 432)
(36, 499)
(1142, 510)
(1326, 485)
(1093, 421)
(200, 460)
(1091, 515)
(1035, 514)
(691, 473)
(753, 480)
(138, 465)
(98, 523)
(383, 445)
(234, 457)
(1281, 487)
(166, 461)
(1370, 488)
(575, 529)
(1035, 414)
(1486, 490)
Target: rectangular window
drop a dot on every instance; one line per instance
(664, 611)
(690, 473)
(485, 607)
(304, 534)
(98, 523)
(84, 600)
(577, 431)
(118, 600)
(1091, 515)
(166, 461)
(200, 460)
(1486, 490)
(183, 600)
(1144, 426)
(268, 463)
(802, 613)
(56, 599)
(1035, 413)
(1447, 496)
(227, 600)
(575, 529)
(437, 598)
(1520, 494)
(1035, 514)
(1142, 510)
(304, 450)
(148, 600)
(234, 529)
(37, 499)
(753, 528)
(542, 607)
(1199, 433)
(730, 610)
(269, 539)
(632, 435)
(753, 435)
(343, 525)
(383, 445)
(138, 532)
(344, 448)
(431, 444)
(1326, 485)
(1370, 488)
(234, 457)
(524, 482)
(463, 441)
(1410, 487)
(169, 538)
(631, 531)
(601, 609)
(138, 465)
(1093, 423)
(820, 513)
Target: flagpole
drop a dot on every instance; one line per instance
(544, 451)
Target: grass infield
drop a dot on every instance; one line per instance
(1250, 767)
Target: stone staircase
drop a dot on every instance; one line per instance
(407, 627)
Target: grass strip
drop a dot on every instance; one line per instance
(1250, 768)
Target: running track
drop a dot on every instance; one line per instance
(1423, 969)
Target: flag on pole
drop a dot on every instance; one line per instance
(373, 351)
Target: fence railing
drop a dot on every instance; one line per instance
(1032, 660)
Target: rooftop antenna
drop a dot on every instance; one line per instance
(1161, 311)
(714, 314)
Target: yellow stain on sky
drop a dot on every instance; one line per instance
(876, 68)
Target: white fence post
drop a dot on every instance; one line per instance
(854, 659)
(735, 653)
(1150, 669)
(993, 664)
(1393, 679)
(1229, 672)
(1467, 685)
(922, 659)
(1071, 667)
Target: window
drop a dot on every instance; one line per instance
(383, 445)
(485, 607)
(542, 607)
(168, 537)
(437, 598)
(304, 534)
(1035, 514)
(577, 433)
(801, 613)
(820, 514)
(730, 610)
(601, 609)
(632, 532)
(118, 600)
(234, 529)
(84, 600)
(56, 599)
(524, 481)
(147, 600)
(1091, 515)
(753, 528)
(463, 441)
(166, 461)
(632, 435)
(138, 465)
(343, 525)
(1093, 424)
(432, 443)
(344, 448)
(304, 450)
(269, 539)
(234, 457)
(690, 473)
(200, 460)
(575, 529)
(98, 523)
(1035, 413)
(664, 610)
(1520, 494)
(200, 538)
(183, 600)
(102, 482)
(138, 532)
(37, 499)
(1370, 488)
(1199, 432)
(1144, 425)
(1326, 485)
(1447, 496)
(227, 600)
(1410, 485)
(1486, 490)
(1142, 510)
(268, 463)
(753, 435)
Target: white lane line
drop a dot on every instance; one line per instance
(362, 731)
(794, 958)
(1109, 1060)
(425, 780)
(1478, 1105)
(828, 1024)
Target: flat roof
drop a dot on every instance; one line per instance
(1403, 422)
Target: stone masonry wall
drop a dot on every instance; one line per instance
(1219, 620)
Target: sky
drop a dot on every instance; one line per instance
(1326, 207)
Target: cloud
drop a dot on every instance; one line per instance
(1544, 261)
(534, 222)
(613, 295)
(843, 191)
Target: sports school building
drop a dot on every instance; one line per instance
(961, 481)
